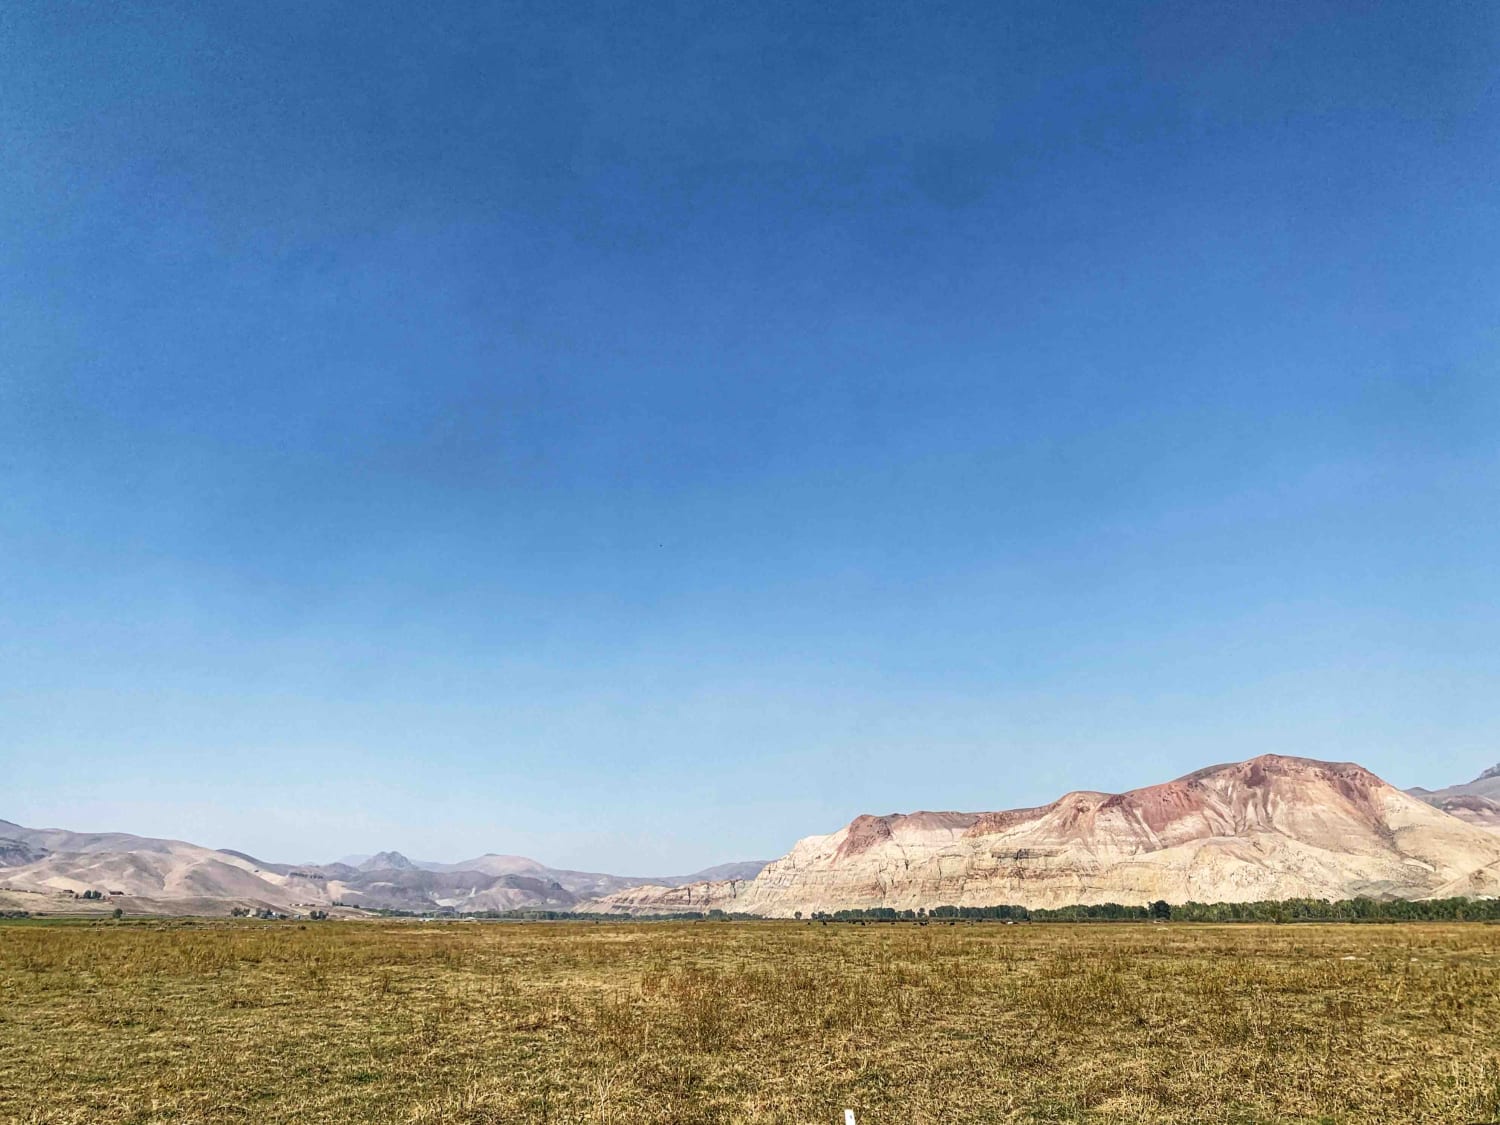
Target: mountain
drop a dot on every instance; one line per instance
(57, 860)
(578, 885)
(590, 884)
(1477, 801)
(1272, 827)
(172, 875)
(387, 861)
(1268, 828)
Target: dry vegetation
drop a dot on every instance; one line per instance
(748, 1022)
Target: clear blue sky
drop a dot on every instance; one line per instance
(637, 436)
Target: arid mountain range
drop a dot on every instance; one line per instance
(171, 876)
(1273, 827)
(1269, 828)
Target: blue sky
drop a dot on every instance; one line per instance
(640, 435)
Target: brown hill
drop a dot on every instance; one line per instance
(1272, 827)
(1477, 801)
(145, 870)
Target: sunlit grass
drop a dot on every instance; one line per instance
(705, 1022)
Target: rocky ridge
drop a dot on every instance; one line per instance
(1273, 827)
(1477, 801)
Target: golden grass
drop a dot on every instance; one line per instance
(712, 1022)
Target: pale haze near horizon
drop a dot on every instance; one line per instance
(638, 439)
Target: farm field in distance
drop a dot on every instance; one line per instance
(167, 1021)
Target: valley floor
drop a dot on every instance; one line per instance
(621, 1023)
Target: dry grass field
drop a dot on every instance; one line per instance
(730, 1022)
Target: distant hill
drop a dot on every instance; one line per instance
(59, 862)
(1477, 801)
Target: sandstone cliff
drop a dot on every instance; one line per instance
(1273, 827)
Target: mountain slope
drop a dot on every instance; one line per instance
(591, 884)
(1269, 828)
(57, 860)
(1477, 801)
(60, 862)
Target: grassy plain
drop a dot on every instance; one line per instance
(731, 1022)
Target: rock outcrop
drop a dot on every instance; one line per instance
(1272, 827)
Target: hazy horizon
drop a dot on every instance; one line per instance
(638, 438)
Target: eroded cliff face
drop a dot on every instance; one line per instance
(1482, 812)
(689, 898)
(1270, 828)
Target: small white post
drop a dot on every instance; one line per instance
(848, 1117)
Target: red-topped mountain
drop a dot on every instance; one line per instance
(1273, 827)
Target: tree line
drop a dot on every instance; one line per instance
(1280, 910)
